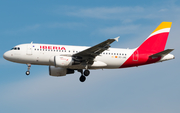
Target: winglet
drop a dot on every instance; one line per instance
(117, 38)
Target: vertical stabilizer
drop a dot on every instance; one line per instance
(153, 46)
(156, 42)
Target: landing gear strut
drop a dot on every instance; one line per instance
(83, 77)
(28, 72)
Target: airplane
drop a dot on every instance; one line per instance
(65, 59)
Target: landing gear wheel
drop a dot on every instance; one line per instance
(27, 72)
(86, 72)
(82, 78)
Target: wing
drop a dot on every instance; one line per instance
(89, 54)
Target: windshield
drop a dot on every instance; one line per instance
(15, 48)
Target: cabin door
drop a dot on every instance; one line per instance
(29, 49)
(135, 56)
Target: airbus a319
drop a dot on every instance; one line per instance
(65, 59)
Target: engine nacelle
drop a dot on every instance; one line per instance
(62, 61)
(58, 71)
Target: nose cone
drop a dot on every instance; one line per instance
(7, 55)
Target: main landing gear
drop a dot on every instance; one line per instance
(28, 72)
(83, 75)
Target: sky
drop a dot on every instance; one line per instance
(146, 89)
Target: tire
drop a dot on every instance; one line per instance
(86, 72)
(82, 78)
(27, 72)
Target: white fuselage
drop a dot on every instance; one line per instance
(42, 54)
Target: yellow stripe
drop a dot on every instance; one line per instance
(162, 26)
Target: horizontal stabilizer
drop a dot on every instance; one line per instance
(162, 53)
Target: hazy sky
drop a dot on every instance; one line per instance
(146, 89)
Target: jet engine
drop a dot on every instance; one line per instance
(58, 71)
(63, 61)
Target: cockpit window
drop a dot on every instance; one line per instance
(15, 48)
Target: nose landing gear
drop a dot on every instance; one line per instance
(28, 72)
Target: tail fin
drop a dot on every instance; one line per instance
(156, 42)
(152, 49)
